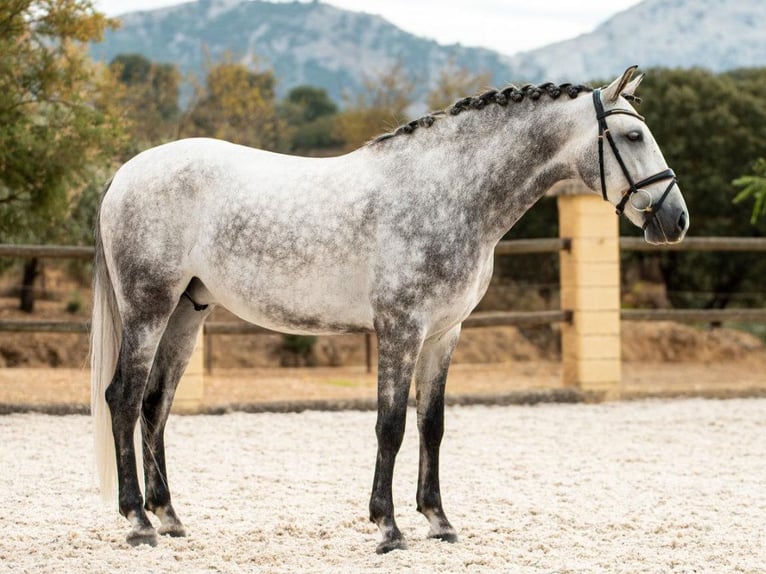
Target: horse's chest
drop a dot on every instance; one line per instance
(450, 301)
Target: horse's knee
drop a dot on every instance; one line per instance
(389, 429)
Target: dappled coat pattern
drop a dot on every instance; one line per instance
(395, 238)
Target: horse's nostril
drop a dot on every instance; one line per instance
(682, 221)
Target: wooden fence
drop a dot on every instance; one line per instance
(479, 319)
(590, 315)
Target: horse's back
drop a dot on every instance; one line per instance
(193, 182)
(192, 167)
(266, 233)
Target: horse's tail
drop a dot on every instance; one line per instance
(105, 340)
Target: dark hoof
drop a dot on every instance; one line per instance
(172, 530)
(388, 545)
(450, 537)
(145, 535)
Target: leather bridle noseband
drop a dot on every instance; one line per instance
(603, 132)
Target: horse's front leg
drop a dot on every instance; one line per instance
(399, 343)
(430, 381)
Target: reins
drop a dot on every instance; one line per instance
(633, 187)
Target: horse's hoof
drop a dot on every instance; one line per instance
(450, 537)
(388, 545)
(172, 530)
(145, 535)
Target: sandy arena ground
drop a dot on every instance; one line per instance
(636, 486)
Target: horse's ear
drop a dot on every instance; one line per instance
(630, 89)
(622, 85)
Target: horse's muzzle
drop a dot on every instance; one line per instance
(669, 225)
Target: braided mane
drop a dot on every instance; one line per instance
(502, 97)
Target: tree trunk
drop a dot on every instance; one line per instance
(28, 285)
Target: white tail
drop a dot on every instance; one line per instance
(105, 339)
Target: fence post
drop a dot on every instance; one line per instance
(590, 288)
(191, 389)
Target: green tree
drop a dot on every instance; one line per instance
(455, 83)
(710, 128)
(382, 106)
(309, 114)
(308, 103)
(754, 186)
(149, 100)
(236, 104)
(57, 121)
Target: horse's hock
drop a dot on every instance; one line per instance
(590, 288)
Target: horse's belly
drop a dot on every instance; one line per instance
(285, 316)
(300, 304)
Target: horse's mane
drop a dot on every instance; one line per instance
(509, 94)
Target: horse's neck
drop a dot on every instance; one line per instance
(519, 161)
(496, 163)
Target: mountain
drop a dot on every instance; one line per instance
(718, 35)
(318, 44)
(305, 43)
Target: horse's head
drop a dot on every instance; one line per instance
(632, 173)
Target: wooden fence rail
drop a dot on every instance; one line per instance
(34, 326)
(476, 320)
(508, 247)
(47, 251)
(589, 244)
(512, 247)
(695, 315)
(697, 244)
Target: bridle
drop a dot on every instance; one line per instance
(634, 187)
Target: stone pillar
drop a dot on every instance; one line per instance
(590, 288)
(190, 391)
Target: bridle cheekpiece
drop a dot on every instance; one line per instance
(633, 187)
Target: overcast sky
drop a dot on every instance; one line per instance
(508, 26)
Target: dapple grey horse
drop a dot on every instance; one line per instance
(395, 238)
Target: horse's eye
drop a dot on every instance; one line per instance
(634, 136)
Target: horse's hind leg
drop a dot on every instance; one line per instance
(172, 356)
(124, 397)
(430, 380)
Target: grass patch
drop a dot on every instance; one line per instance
(341, 383)
(757, 329)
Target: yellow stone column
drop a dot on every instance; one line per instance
(590, 288)
(190, 391)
